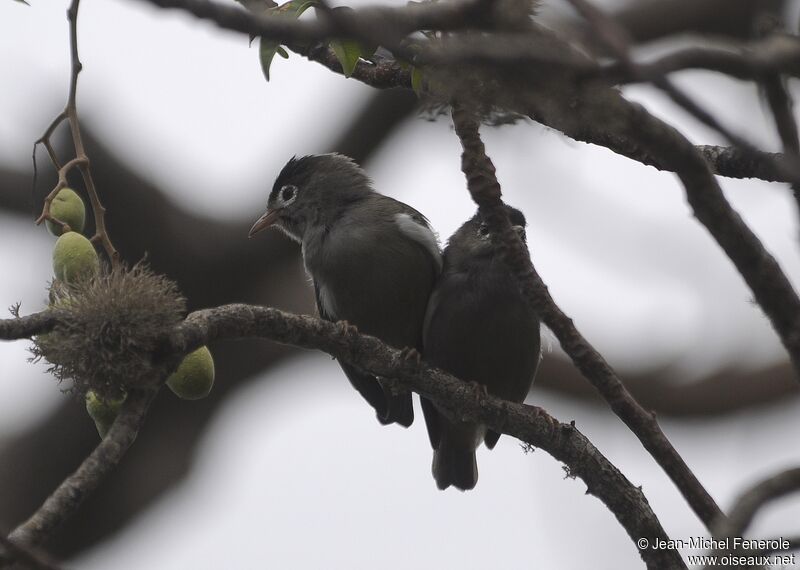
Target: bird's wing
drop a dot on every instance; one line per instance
(366, 384)
(414, 225)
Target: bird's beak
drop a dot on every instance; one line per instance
(264, 221)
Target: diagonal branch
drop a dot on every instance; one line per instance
(67, 498)
(527, 423)
(485, 191)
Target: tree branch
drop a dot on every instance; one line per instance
(81, 160)
(749, 503)
(485, 191)
(527, 423)
(27, 557)
(387, 73)
(27, 326)
(390, 23)
(67, 498)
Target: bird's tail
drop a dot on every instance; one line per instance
(454, 459)
(399, 409)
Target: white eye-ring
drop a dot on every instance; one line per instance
(287, 195)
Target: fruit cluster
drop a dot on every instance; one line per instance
(75, 263)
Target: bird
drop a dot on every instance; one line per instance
(373, 260)
(479, 328)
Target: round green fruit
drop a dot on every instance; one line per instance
(102, 412)
(74, 258)
(194, 377)
(67, 207)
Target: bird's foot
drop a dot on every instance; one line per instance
(346, 330)
(479, 391)
(411, 355)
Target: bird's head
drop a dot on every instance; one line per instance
(312, 190)
(473, 240)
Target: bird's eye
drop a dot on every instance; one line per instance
(483, 231)
(288, 193)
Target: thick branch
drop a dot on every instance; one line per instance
(66, 499)
(485, 190)
(392, 24)
(527, 423)
(387, 73)
(530, 424)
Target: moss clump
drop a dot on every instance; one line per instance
(111, 325)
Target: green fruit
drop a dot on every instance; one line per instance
(67, 207)
(74, 258)
(195, 376)
(102, 412)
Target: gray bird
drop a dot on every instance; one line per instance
(479, 328)
(373, 260)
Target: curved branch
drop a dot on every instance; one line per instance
(527, 423)
(751, 501)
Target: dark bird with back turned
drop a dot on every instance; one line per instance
(373, 260)
(479, 328)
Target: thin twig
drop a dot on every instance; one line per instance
(749, 503)
(81, 160)
(485, 191)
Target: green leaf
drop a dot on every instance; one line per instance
(416, 80)
(267, 48)
(294, 8)
(266, 52)
(347, 52)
